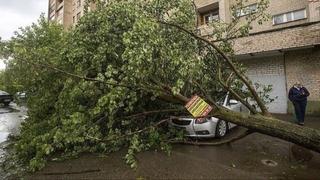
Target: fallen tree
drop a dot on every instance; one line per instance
(105, 84)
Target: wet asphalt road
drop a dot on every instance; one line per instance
(10, 120)
(256, 156)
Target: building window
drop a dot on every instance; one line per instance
(290, 16)
(247, 10)
(209, 16)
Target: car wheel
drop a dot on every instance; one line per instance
(222, 128)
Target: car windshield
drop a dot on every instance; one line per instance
(221, 99)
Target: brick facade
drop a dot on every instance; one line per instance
(278, 7)
(273, 65)
(304, 35)
(304, 66)
(275, 7)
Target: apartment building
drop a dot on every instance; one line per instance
(67, 12)
(283, 50)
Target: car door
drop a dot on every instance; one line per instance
(236, 106)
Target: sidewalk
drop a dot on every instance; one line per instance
(310, 121)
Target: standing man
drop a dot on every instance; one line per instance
(298, 96)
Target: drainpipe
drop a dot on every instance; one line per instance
(285, 76)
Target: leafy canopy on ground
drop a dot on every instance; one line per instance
(84, 84)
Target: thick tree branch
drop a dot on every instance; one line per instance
(304, 136)
(47, 66)
(235, 94)
(153, 112)
(229, 79)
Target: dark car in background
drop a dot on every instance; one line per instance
(5, 98)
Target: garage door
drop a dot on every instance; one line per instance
(270, 71)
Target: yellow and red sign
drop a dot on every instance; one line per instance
(198, 107)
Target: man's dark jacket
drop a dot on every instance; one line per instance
(298, 95)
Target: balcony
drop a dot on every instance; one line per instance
(208, 12)
(204, 5)
(60, 4)
(307, 35)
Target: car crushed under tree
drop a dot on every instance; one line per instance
(209, 127)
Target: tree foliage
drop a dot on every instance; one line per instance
(90, 88)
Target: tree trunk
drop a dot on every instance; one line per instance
(303, 136)
(300, 135)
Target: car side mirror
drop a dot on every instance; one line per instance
(233, 102)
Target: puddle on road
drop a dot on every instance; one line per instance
(10, 109)
(269, 162)
(3, 136)
(10, 120)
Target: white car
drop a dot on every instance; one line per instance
(210, 127)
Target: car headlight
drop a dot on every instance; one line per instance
(201, 120)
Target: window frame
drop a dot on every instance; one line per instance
(291, 14)
(246, 10)
(210, 14)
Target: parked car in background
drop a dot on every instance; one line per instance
(21, 95)
(209, 127)
(5, 98)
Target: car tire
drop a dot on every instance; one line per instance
(221, 128)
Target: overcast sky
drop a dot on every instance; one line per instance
(19, 13)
